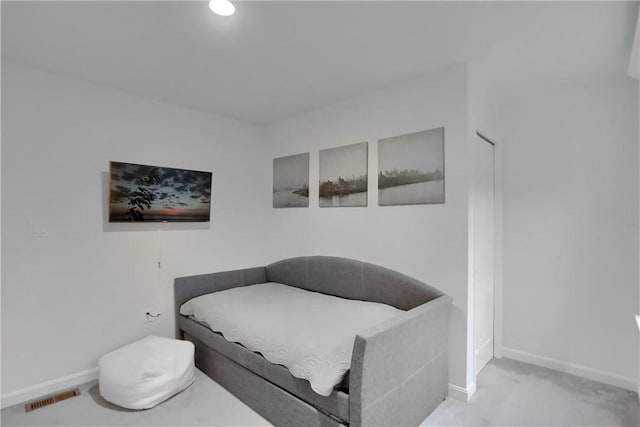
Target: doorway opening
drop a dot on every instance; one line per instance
(484, 249)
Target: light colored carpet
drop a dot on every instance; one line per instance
(512, 393)
(204, 403)
(509, 393)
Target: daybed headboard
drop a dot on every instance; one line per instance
(349, 278)
(342, 277)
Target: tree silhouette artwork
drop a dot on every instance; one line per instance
(144, 193)
(141, 198)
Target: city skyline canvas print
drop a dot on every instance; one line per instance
(411, 168)
(343, 176)
(143, 193)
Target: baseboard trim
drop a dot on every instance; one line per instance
(49, 387)
(571, 368)
(460, 393)
(455, 392)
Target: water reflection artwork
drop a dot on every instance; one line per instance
(143, 193)
(343, 176)
(291, 181)
(411, 168)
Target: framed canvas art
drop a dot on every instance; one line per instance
(343, 176)
(143, 193)
(291, 181)
(411, 168)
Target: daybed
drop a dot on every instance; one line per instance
(399, 368)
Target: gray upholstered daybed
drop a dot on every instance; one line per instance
(399, 369)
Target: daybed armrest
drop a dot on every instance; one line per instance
(399, 369)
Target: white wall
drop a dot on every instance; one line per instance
(428, 242)
(571, 186)
(638, 319)
(83, 290)
(571, 228)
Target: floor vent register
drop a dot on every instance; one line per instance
(52, 399)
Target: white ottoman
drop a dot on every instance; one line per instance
(147, 372)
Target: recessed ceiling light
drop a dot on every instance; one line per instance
(222, 7)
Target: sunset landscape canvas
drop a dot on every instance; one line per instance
(143, 193)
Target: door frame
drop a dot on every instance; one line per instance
(497, 248)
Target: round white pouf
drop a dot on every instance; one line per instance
(147, 372)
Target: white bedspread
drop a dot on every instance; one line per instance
(310, 333)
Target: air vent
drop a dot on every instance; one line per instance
(52, 399)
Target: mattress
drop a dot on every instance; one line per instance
(310, 333)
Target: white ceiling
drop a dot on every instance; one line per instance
(272, 60)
